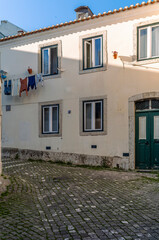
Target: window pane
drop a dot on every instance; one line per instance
(155, 41)
(155, 104)
(46, 61)
(142, 105)
(98, 52)
(54, 60)
(88, 54)
(142, 127)
(55, 119)
(98, 115)
(88, 115)
(143, 43)
(46, 119)
(156, 127)
(89, 50)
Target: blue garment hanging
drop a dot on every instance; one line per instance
(31, 82)
(3, 76)
(7, 88)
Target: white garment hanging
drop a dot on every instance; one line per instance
(16, 87)
(39, 79)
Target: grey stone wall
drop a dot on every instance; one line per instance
(73, 158)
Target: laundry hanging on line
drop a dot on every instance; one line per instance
(15, 87)
(31, 82)
(39, 79)
(7, 87)
(23, 86)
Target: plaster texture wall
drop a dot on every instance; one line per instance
(20, 126)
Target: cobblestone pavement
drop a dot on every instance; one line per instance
(50, 201)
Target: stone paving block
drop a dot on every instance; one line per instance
(50, 201)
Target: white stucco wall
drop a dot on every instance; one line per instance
(20, 126)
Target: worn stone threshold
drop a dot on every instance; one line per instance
(147, 170)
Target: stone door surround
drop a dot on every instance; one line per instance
(131, 118)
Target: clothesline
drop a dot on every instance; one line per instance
(17, 76)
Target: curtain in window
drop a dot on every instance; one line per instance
(46, 119)
(98, 52)
(88, 116)
(46, 61)
(98, 116)
(54, 119)
(143, 43)
(54, 60)
(155, 41)
(88, 54)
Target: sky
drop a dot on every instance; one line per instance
(35, 14)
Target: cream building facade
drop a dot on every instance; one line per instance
(94, 108)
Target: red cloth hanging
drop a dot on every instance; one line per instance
(23, 86)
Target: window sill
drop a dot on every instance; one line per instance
(93, 133)
(54, 76)
(45, 135)
(91, 70)
(147, 61)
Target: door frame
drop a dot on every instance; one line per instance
(131, 118)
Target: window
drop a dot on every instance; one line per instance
(93, 115)
(49, 59)
(50, 119)
(92, 51)
(148, 39)
(148, 104)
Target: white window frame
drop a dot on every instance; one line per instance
(50, 119)
(85, 54)
(49, 61)
(93, 103)
(92, 53)
(149, 42)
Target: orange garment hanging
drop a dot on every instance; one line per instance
(23, 86)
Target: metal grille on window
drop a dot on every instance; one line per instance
(142, 105)
(155, 104)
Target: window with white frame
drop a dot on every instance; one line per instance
(92, 52)
(148, 42)
(49, 60)
(50, 119)
(93, 115)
